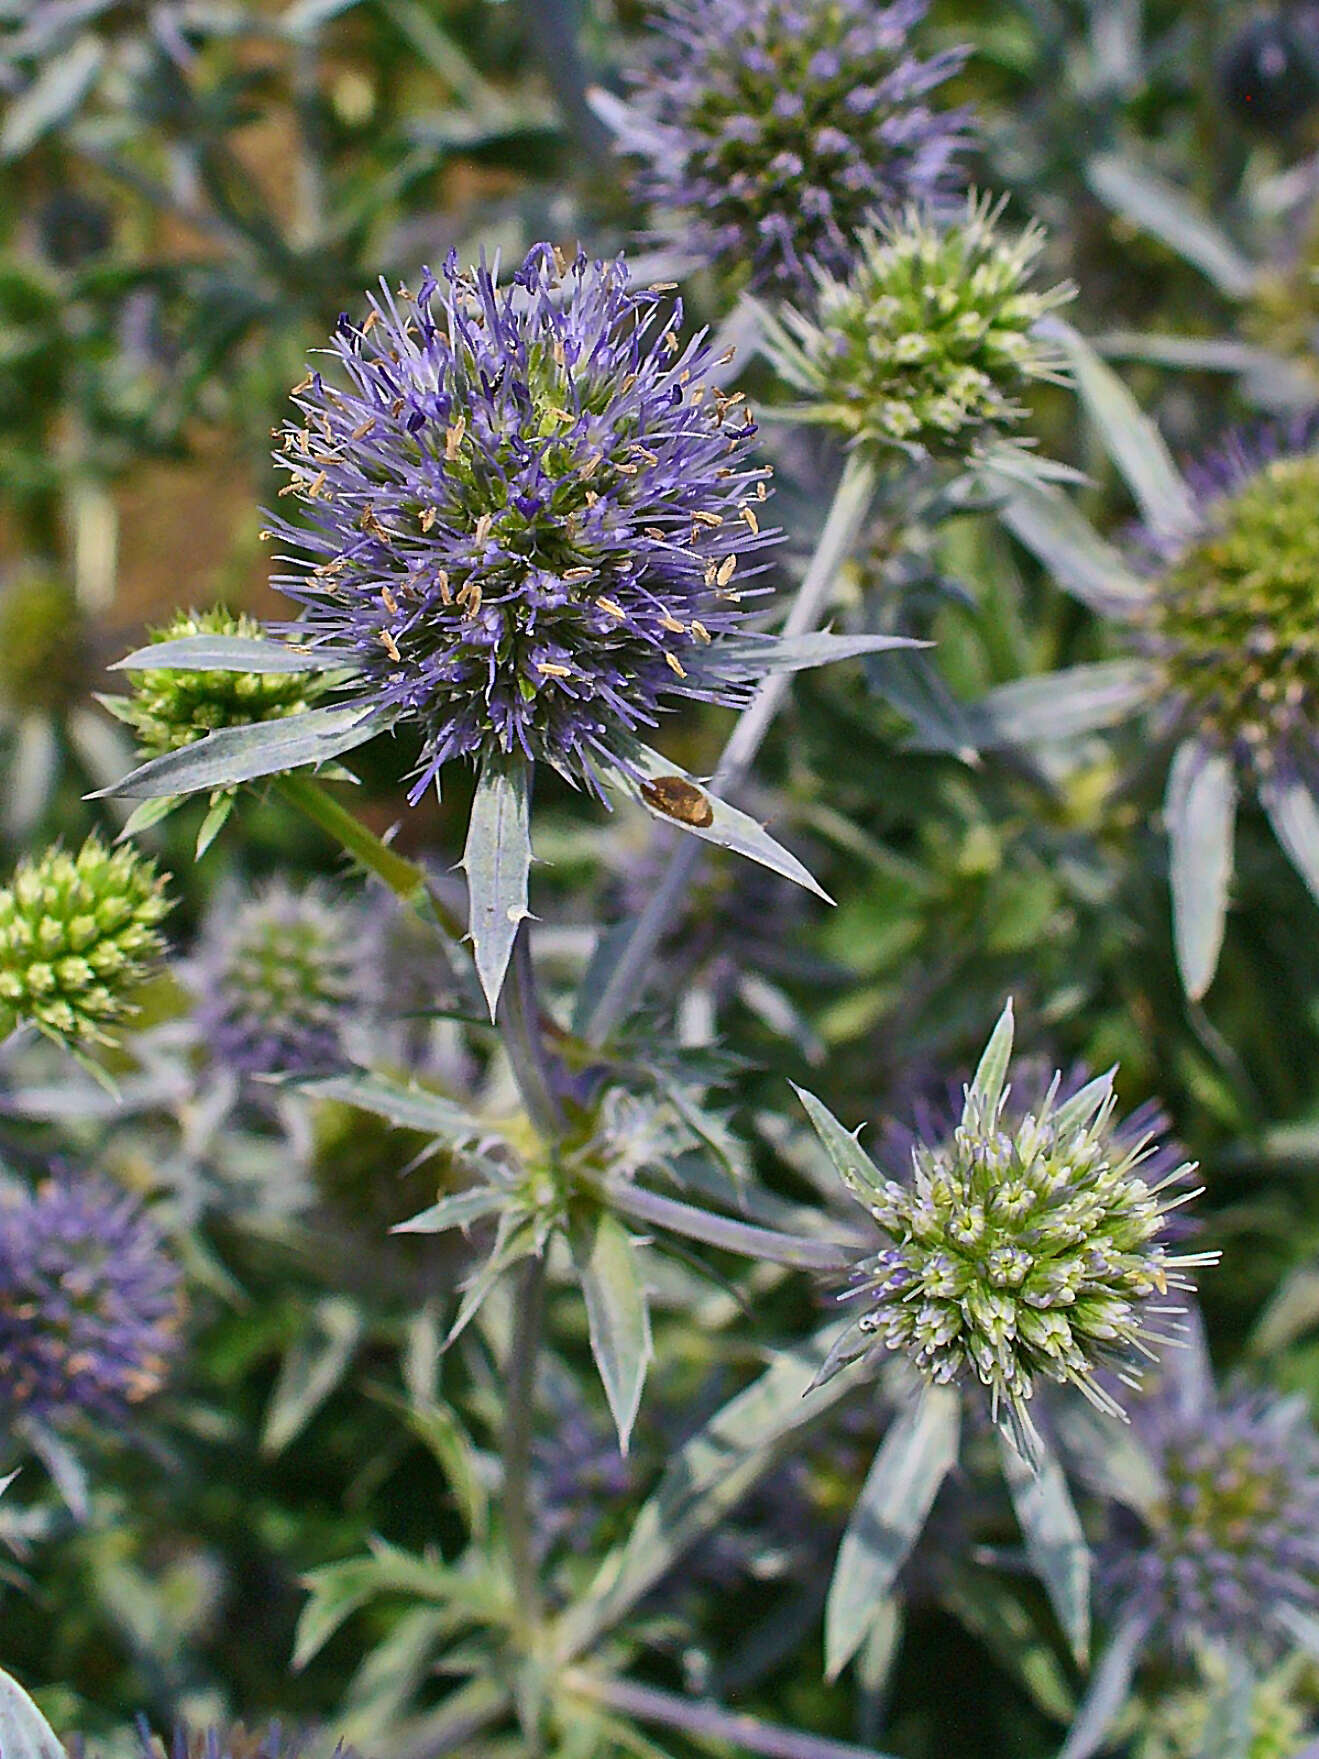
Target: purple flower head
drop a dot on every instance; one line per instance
(278, 976)
(273, 1741)
(778, 127)
(1233, 609)
(525, 513)
(89, 1301)
(1230, 1545)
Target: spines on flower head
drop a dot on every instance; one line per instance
(1231, 619)
(89, 1301)
(170, 709)
(1029, 1245)
(279, 978)
(931, 342)
(777, 128)
(527, 514)
(77, 933)
(1228, 1549)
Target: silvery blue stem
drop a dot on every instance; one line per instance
(518, 1019)
(852, 502)
(519, 1426)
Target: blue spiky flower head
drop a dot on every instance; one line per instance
(777, 128)
(279, 978)
(89, 1301)
(1027, 1245)
(527, 513)
(1228, 1550)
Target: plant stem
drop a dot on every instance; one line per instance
(519, 1425)
(851, 506)
(706, 1721)
(729, 1234)
(518, 1020)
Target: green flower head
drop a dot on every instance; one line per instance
(1027, 1245)
(931, 342)
(77, 933)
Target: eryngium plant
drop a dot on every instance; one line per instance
(77, 934)
(774, 129)
(278, 978)
(1019, 1249)
(930, 342)
(89, 1301)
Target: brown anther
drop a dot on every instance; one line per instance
(397, 407)
(654, 533)
(591, 465)
(403, 292)
(628, 469)
(712, 520)
(753, 524)
(389, 644)
(428, 517)
(674, 664)
(442, 581)
(364, 428)
(389, 601)
(306, 385)
(727, 569)
(664, 287)
(700, 631)
(648, 457)
(575, 575)
(482, 529)
(728, 355)
(289, 488)
(762, 491)
(372, 319)
(560, 414)
(549, 670)
(560, 261)
(315, 486)
(469, 597)
(610, 609)
(453, 438)
(670, 622)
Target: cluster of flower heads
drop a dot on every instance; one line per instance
(77, 933)
(1028, 1245)
(777, 128)
(89, 1301)
(278, 978)
(170, 709)
(527, 513)
(931, 341)
(1233, 616)
(1230, 1547)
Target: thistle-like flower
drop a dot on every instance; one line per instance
(77, 932)
(1227, 1552)
(931, 341)
(89, 1301)
(1022, 1248)
(278, 978)
(772, 130)
(170, 709)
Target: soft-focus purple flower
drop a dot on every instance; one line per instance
(1230, 1547)
(279, 978)
(234, 1741)
(525, 512)
(777, 128)
(89, 1301)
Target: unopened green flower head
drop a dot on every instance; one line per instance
(42, 644)
(931, 342)
(1234, 617)
(170, 709)
(1026, 1246)
(77, 933)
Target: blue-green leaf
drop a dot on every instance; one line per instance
(1294, 814)
(1107, 1692)
(1055, 1543)
(755, 656)
(917, 1454)
(56, 92)
(242, 754)
(1200, 812)
(1060, 705)
(232, 653)
(24, 1731)
(617, 1312)
(311, 1371)
(1052, 527)
(855, 1167)
(986, 1089)
(1166, 211)
(458, 1210)
(410, 1108)
(497, 861)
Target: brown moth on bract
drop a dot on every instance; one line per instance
(678, 798)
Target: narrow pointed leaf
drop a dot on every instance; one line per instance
(918, 1452)
(1200, 811)
(855, 1167)
(459, 1210)
(1055, 1543)
(727, 828)
(311, 1371)
(232, 653)
(242, 754)
(1228, 1726)
(1294, 814)
(1131, 439)
(1053, 529)
(617, 1313)
(751, 656)
(986, 1089)
(1168, 213)
(497, 861)
(1110, 1685)
(1060, 705)
(53, 96)
(24, 1731)
(410, 1108)
(1077, 1111)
